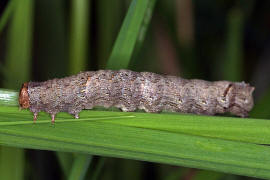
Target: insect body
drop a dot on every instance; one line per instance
(129, 90)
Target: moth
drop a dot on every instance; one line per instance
(129, 90)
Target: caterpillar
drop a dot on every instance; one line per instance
(129, 90)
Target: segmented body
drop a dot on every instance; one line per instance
(129, 90)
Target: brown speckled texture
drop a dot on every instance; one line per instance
(130, 90)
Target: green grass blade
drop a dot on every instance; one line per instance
(210, 175)
(133, 30)
(139, 11)
(98, 169)
(128, 35)
(19, 45)
(229, 128)
(77, 63)
(6, 15)
(144, 26)
(16, 71)
(80, 166)
(79, 35)
(233, 62)
(8, 97)
(109, 20)
(65, 161)
(114, 134)
(12, 163)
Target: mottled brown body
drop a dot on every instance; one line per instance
(130, 90)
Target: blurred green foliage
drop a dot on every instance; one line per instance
(212, 40)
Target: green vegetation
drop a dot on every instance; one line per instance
(223, 144)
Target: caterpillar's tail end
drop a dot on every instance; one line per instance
(24, 97)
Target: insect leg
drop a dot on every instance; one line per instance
(77, 116)
(53, 118)
(35, 117)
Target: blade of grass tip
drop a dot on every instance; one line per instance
(65, 159)
(6, 15)
(79, 35)
(79, 167)
(8, 97)
(128, 35)
(233, 61)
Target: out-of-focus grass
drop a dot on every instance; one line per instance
(12, 163)
(77, 62)
(98, 169)
(109, 14)
(128, 35)
(79, 35)
(65, 160)
(132, 33)
(233, 55)
(79, 167)
(18, 58)
(261, 109)
(16, 71)
(6, 15)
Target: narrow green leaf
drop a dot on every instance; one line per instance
(79, 35)
(109, 18)
(16, 71)
(80, 166)
(144, 26)
(209, 175)
(12, 163)
(51, 43)
(19, 45)
(65, 160)
(128, 35)
(132, 31)
(229, 128)
(8, 97)
(77, 63)
(233, 60)
(6, 15)
(98, 169)
(106, 133)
